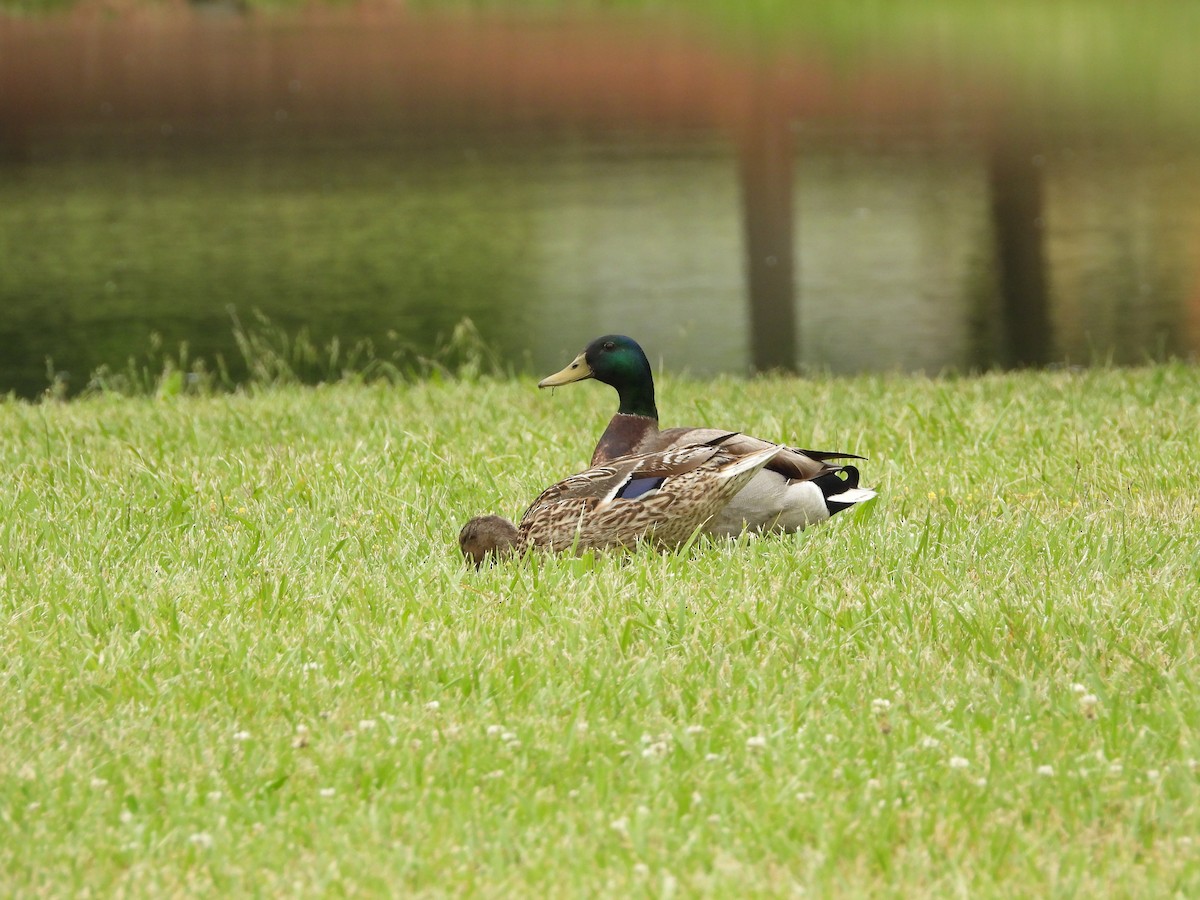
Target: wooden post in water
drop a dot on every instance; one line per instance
(14, 136)
(765, 164)
(1018, 226)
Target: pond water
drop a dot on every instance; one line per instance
(545, 244)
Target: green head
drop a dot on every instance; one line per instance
(618, 361)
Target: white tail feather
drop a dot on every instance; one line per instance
(853, 495)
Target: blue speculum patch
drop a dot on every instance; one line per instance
(639, 486)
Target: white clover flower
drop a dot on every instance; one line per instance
(241, 736)
(98, 782)
(712, 757)
(695, 729)
(757, 742)
(214, 796)
(929, 742)
(641, 870)
(621, 825)
(201, 839)
(432, 705)
(493, 730)
(873, 784)
(1046, 771)
(1152, 774)
(508, 736)
(1079, 688)
(958, 762)
(327, 792)
(366, 724)
(981, 782)
(879, 705)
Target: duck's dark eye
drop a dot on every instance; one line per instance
(609, 345)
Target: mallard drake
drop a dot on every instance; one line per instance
(662, 497)
(796, 487)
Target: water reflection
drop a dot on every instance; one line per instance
(894, 249)
(149, 195)
(895, 263)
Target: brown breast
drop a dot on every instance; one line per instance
(625, 434)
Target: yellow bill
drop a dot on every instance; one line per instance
(576, 371)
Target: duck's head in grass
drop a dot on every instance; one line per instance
(487, 539)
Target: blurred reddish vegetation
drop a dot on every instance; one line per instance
(379, 66)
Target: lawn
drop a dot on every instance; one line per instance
(240, 653)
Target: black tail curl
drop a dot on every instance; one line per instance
(834, 483)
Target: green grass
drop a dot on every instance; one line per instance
(239, 652)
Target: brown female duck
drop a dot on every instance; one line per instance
(662, 498)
